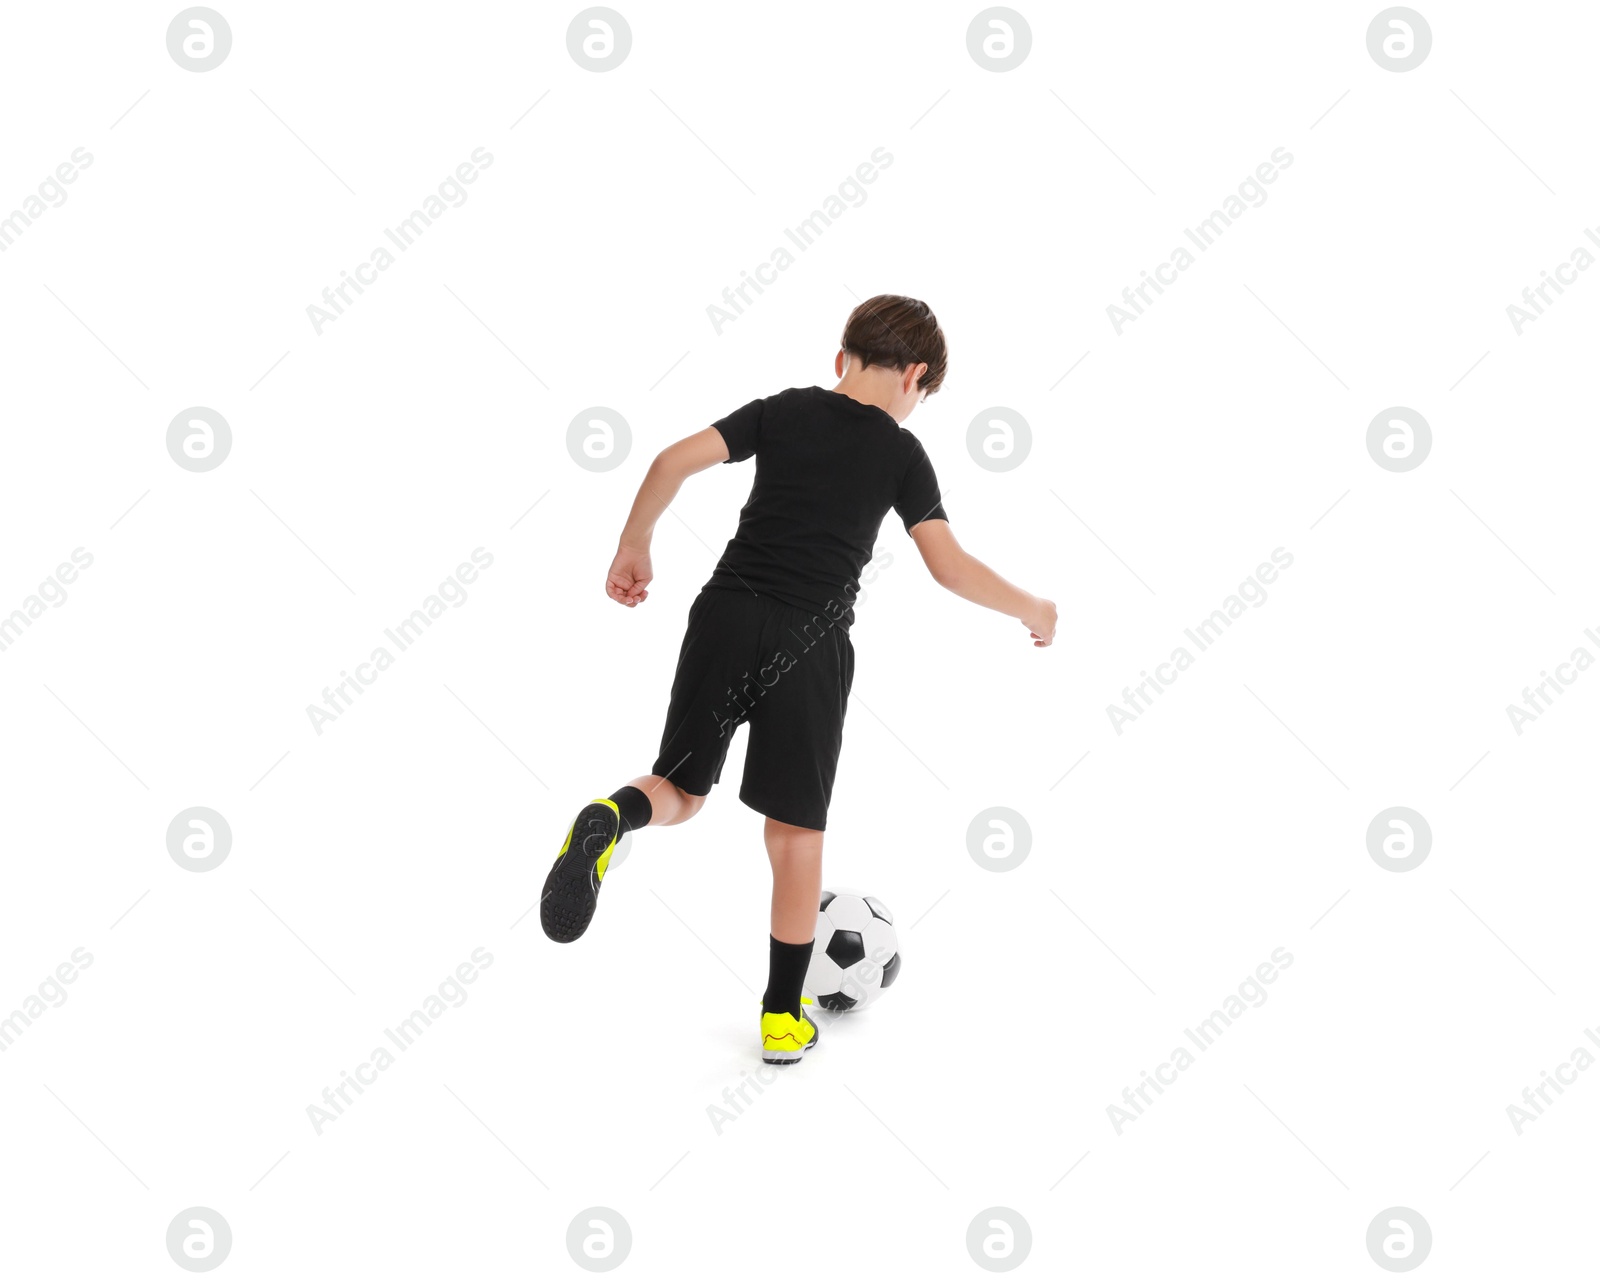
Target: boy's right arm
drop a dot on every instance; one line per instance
(631, 570)
(968, 577)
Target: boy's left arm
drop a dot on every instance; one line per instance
(631, 571)
(968, 577)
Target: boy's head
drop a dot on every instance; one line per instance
(899, 334)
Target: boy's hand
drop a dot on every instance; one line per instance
(630, 574)
(1041, 622)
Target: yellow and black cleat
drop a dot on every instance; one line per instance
(572, 889)
(785, 1037)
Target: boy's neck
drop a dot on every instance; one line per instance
(872, 385)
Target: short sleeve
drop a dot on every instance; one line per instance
(918, 499)
(741, 430)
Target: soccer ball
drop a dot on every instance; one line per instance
(856, 954)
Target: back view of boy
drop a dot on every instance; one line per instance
(768, 638)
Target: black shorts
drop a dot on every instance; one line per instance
(785, 672)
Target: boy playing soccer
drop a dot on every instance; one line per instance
(829, 466)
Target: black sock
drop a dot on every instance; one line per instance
(633, 806)
(786, 974)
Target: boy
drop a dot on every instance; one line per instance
(829, 466)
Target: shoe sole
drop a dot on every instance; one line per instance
(572, 890)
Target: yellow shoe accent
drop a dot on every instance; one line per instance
(605, 858)
(784, 1037)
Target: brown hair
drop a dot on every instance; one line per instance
(897, 333)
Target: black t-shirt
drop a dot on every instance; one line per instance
(828, 469)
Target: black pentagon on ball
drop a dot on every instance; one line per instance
(878, 909)
(891, 971)
(846, 949)
(838, 1002)
(828, 895)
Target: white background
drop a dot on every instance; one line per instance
(367, 462)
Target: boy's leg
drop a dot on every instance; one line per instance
(796, 856)
(572, 888)
(795, 734)
(665, 803)
(796, 853)
(717, 645)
